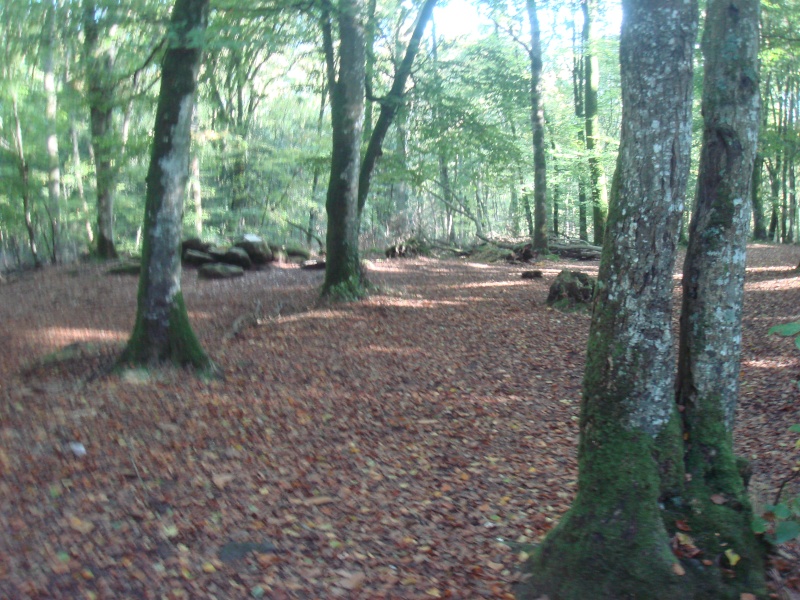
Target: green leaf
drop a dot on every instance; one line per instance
(786, 329)
(782, 511)
(786, 531)
(795, 428)
(797, 342)
(759, 525)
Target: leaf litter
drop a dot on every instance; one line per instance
(412, 445)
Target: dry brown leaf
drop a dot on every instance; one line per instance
(678, 569)
(222, 479)
(80, 525)
(352, 581)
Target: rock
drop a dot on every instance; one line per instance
(195, 257)
(409, 248)
(532, 274)
(217, 253)
(257, 249)
(297, 252)
(313, 264)
(233, 551)
(571, 290)
(219, 271)
(239, 257)
(194, 244)
(127, 267)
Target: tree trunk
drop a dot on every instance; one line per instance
(344, 278)
(391, 103)
(78, 175)
(757, 201)
(537, 123)
(612, 543)
(713, 290)
(197, 194)
(53, 163)
(162, 331)
(597, 179)
(24, 174)
(99, 64)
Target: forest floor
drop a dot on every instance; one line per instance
(405, 446)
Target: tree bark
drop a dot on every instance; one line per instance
(537, 124)
(391, 103)
(757, 201)
(99, 65)
(51, 100)
(162, 331)
(713, 290)
(612, 543)
(24, 174)
(344, 278)
(597, 178)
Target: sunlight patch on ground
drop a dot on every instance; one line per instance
(61, 336)
(780, 362)
(408, 303)
(394, 350)
(318, 314)
(772, 285)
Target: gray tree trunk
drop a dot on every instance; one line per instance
(51, 107)
(99, 73)
(537, 123)
(162, 331)
(713, 290)
(612, 543)
(597, 178)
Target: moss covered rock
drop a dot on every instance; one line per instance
(571, 290)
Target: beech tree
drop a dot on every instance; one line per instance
(537, 123)
(613, 543)
(162, 331)
(343, 274)
(719, 512)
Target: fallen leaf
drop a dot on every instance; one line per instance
(80, 525)
(678, 569)
(682, 525)
(732, 557)
(352, 581)
(718, 499)
(222, 479)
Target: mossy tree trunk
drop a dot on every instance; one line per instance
(344, 278)
(715, 503)
(612, 543)
(162, 331)
(537, 123)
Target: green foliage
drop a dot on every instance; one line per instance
(788, 330)
(780, 522)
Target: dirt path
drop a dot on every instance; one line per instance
(400, 447)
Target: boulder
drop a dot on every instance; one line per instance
(571, 290)
(219, 271)
(195, 257)
(217, 253)
(194, 244)
(297, 252)
(257, 249)
(239, 257)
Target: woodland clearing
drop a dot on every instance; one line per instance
(406, 446)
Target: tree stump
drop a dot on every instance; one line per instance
(571, 290)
